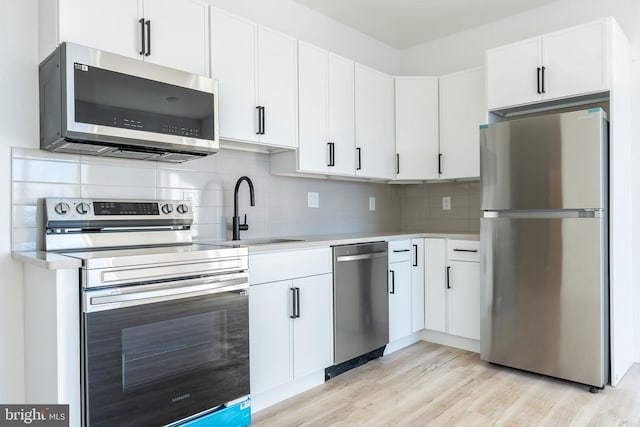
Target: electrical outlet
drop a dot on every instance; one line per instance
(446, 203)
(372, 203)
(313, 199)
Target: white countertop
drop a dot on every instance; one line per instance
(315, 240)
(46, 260)
(52, 261)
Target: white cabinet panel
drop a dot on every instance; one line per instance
(417, 285)
(399, 300)
(464, 299)
(416, 128)
(313, 98)
(374, 112)
(512, 73)
(575, 60)
(462, 111)
(277, 83)
(342, 114)
(110, 25)
(269, 335)
(233, 63)
(179, 34)
(435, 286)
(313, 330)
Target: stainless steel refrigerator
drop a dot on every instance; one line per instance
(544, 245)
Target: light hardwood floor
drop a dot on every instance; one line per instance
(430, 384)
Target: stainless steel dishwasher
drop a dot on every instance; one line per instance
(360, 300)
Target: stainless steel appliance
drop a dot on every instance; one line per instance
(360, 299)
(97, 103)
(544, 245)
(165, 331)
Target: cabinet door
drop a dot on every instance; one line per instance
(512, 73)
(374, 109)
(233, 63)
(313, 330)
(416, 128)
(110, 25)
(179, 34)
(575, 60)
(270, 307)
(462, 110)
(434, 285)
(399, 300)
(277, 87)
(342, 114)
(313, 79)
(417, 285)
(464, 299)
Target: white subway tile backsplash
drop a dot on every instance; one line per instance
(112, 175)
(45, 171)
(118, 192)
(28, 193)
(25, 216)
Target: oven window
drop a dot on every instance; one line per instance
(157, 363)
(162, 349)
(105, 97)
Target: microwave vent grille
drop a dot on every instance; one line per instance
(80, 147)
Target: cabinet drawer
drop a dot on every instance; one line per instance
(399, 250)
(284, 265)
(463, 250)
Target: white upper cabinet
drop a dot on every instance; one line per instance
(159, 31)
(416, 128)
(557, 65)
(277, 88)
(179, 34)
(462, 111)
(256, 69)
(326, 111)
(374, 112)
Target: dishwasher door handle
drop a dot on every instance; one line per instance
(370, 255)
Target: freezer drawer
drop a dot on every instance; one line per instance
(545, 295)
(545, 163)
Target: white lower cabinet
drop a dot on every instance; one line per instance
(400, 290)
(417, 284)
(290, 320)
(452, 287)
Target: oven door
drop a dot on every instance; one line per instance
(154, 354)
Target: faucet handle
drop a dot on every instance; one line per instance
(244, 226)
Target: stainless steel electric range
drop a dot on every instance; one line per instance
(165, 323)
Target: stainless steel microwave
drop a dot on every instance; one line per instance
(96, 103)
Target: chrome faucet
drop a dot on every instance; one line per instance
(236, 219)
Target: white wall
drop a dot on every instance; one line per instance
(466, 49)
(635, 199)
(310, 26)
(19, 124)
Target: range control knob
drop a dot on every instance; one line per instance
(183, 208)
(61, 208)
(83, 208)
(167, 209)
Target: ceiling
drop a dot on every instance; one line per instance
(405, 23)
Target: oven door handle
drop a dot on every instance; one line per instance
(151, 294)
